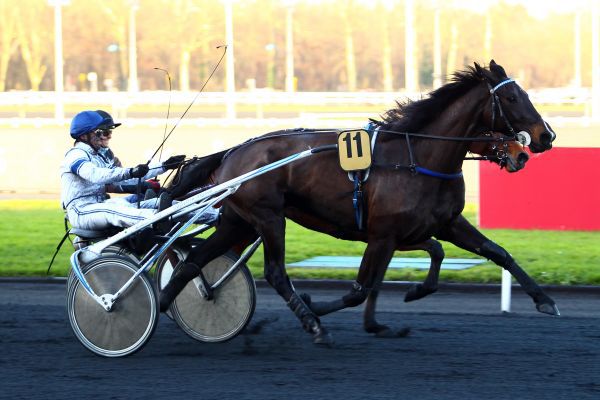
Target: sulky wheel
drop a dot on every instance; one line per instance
(225, 315)
(130, 323)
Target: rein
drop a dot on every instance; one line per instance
(500, 155)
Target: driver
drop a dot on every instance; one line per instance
(86, 171)
(150, 187)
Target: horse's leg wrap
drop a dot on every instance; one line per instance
(310, 322)
(181, 276)
(497, 254)
(358, 294)
(503, 258)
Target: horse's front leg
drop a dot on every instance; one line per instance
(464, 235)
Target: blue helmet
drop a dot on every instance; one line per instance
(108, 122)
(85, 122)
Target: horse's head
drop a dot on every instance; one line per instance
(507, 153)
(512, 112)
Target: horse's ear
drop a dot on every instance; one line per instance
(483, 73)
(497, 69)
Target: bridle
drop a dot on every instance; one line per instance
(522, 137)
(496, 104)
(499, 150)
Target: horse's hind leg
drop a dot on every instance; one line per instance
(271, 226)
(231, 231)
(430, 285)
(417, 291)
(374, 263)
(464, 235)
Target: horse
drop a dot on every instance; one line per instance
(415, 192)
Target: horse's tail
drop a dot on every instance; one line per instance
(195, 173)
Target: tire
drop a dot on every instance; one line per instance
(134, 316)
(221, 318)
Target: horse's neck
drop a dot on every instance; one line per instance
(449, 155)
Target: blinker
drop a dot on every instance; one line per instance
(524, 138)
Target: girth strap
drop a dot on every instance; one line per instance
(357, 199)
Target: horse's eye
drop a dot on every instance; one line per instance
(512, 98)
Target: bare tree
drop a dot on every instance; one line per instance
(384, 9)
(117, 13)
(33, 36)
(349, 45)
(8, 38)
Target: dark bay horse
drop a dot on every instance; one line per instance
(415, 191)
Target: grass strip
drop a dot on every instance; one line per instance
(31, 229)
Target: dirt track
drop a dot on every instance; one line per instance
(460, 347)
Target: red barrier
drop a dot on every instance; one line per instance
(558, 189)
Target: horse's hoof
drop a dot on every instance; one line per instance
(306, 298)
(386, 333)
(404, 332)
(416, 292)
(548, 308)
(323, 338)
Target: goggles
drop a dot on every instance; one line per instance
(102, 133)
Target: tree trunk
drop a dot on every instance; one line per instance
(8, 36)
(453, 50)
(32, 53)
(184, 70)
(411, 69)
(350, 60)
(386, 58)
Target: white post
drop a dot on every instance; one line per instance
(595, 61)
(133, 78)
(289, 49)
(229, 62)
(59, 113)
(506, 291)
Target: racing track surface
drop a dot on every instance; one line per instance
(460, 346)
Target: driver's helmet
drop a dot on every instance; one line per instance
(85, 122)
(108, 122)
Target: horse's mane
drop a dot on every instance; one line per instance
(412, 116)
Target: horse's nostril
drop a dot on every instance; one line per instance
(522, 158)
(546, 139)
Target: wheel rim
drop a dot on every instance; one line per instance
(130, 323)
(222, 317)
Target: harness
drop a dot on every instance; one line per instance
(359, 178)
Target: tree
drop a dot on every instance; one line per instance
(8, 38)
(33, 36)
(384, 8)
(349, 45)
(117, 13)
